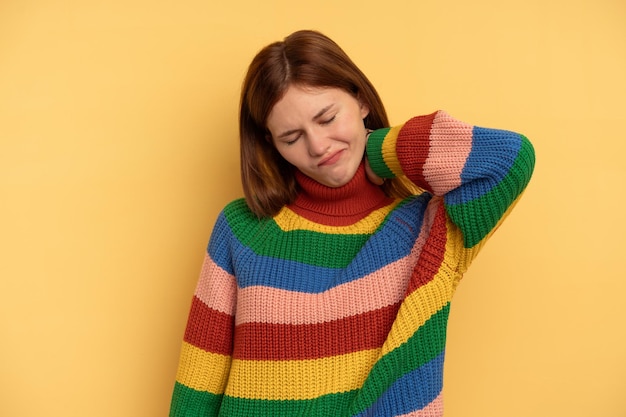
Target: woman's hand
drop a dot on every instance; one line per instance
(371, 175)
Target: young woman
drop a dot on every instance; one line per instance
(326, 291)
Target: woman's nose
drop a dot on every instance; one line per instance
(318, 144)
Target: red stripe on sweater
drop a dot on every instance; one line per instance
(266, 341)
(432, 255)
(413, 146)
(209, 329)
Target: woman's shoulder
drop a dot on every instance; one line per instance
(234, 218)
(237, 205)
(238, 211)
(238, 216)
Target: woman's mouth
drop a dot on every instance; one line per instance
(332, 159)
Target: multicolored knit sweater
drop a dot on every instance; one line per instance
(338, 305)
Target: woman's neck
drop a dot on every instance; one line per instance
(339, 206)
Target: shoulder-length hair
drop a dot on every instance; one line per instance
(306, 58)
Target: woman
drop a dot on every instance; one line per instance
(326, 291)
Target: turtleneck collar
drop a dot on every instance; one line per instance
(339, 206)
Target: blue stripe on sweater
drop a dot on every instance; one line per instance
(485, 166)
(413, 391)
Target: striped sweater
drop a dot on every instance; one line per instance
(338, 305)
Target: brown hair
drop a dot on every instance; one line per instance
(306, 58)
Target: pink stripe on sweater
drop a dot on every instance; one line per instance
(379, 289)
(434, 409)
(216, 288)
(450, 145)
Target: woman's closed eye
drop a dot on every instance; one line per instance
(328, 121)
(293, 139)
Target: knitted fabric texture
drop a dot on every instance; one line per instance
(338, 305)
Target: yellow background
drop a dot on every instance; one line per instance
(118, 125)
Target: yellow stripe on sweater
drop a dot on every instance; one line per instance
(389, 150)
(202, 370)
(288, 221)
(300, 379)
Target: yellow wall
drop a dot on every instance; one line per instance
(118, 149)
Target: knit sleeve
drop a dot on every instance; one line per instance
(479, 172)
(207, 346)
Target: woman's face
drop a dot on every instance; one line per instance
(320, 131)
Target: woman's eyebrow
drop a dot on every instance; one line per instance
(287, 133)
(321, 112)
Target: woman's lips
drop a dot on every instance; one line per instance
(331, 159)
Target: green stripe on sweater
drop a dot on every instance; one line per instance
(187, 402)
(375, 155)
(425, 345)
(327, 405)
(267, 239)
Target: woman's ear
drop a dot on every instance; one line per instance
(365, 110)
(363, 107)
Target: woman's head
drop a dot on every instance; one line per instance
(304, 59)
(320, 131)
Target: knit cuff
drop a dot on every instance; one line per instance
(376, 155)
